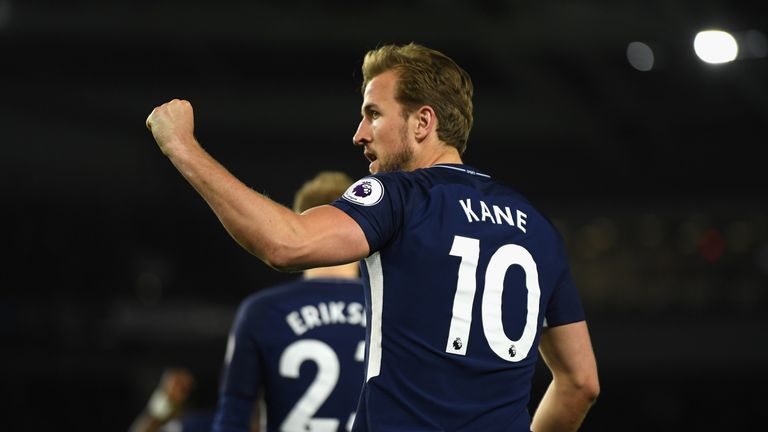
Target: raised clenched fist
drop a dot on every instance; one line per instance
(172, 124)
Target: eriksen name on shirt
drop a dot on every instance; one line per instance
(310, 316)
(497, 216)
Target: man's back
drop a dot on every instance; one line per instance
(301, 345)
(463, 273)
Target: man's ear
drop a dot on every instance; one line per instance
(426, 122)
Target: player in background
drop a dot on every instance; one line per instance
(165, 410)
(298, 347)
(466, 281)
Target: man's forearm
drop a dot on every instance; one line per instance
(261, 226)
(320, 237)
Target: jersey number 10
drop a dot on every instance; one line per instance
(468, 249)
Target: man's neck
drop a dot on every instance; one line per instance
(445, 155)
(344, 271)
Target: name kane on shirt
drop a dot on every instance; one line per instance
(494, 214)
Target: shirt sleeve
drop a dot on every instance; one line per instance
(564, 306)
(242, 376)
(376, 204)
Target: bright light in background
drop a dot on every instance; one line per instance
(715, 46)
(640, 56)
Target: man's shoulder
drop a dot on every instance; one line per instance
(270, 294)
(461, 178)
(290, 290)
(423, 178)
(259, 310)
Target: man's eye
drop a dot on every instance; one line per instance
(375, 114)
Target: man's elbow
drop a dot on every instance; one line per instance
(284, 266)
(284, 258)
(589, 388)
(584, 386)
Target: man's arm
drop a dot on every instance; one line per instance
(166, 401)
(567, 351)
(319, 237)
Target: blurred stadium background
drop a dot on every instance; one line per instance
(646, 157)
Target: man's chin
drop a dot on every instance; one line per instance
(373, 167)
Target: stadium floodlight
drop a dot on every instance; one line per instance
(715, 46)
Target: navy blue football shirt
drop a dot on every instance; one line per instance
(463, 275)
(301, 346)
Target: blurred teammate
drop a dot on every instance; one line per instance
(165, 409)
(298, 346)
(465, 278)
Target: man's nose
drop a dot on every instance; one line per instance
(362, 135)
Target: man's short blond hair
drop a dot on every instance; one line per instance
(325, 188)
(427, 77)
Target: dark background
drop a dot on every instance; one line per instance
(114, 268)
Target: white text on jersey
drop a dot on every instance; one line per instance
(497, 216)
(311, 316)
